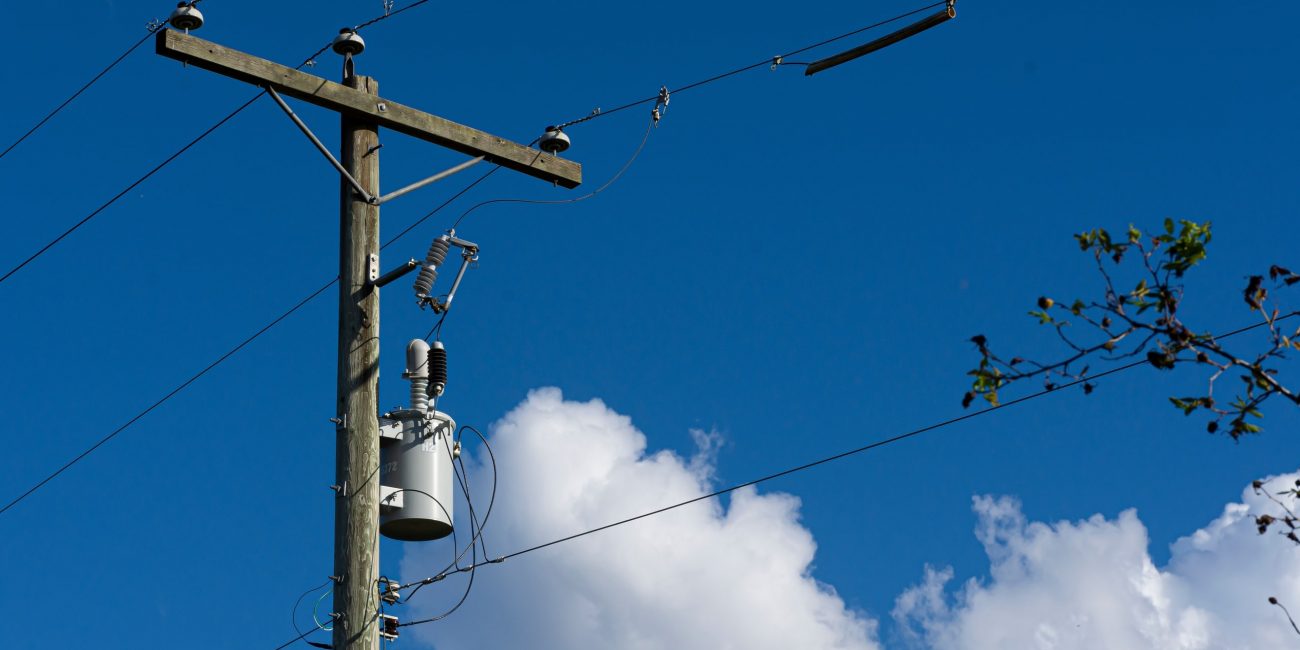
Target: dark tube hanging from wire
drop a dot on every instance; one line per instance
(940, 17)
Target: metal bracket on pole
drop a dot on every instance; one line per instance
(432, 179)
(320, 147)
(396, 273)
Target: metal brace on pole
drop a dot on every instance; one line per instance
(432, 179)
(320, 147)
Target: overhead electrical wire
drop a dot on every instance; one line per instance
(772, 61)
(153, 29)
(828, 459)
(775, 61)
(259, 333)
(96, 212)
(237, 347)
(649, 127)
(313, 295)
(437, 326)
(462, 479)
(296, 639)
(471, 548)
(185, 384)
(53, 242)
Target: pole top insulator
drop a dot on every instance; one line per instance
(186, 16)
(348, 42)
(554, 140)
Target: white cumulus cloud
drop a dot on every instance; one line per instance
(702, 576)
(1092, 584)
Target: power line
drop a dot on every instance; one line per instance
(302, 303)
(272, 324)
(53, 242)
(297, 638)
(309, 60)
(462, 479)
(649, 127)
(829, 459)
(152, 30)
(166, 397)
(204, 371)
(774, 62)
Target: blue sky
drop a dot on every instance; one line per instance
(795, 263)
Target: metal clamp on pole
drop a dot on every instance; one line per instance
(396, 273)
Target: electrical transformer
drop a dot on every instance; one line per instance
(417, 447)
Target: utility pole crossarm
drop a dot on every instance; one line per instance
(361, 105)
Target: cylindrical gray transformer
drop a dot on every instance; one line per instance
(416, 477)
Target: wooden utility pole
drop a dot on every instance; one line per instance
(356, 513)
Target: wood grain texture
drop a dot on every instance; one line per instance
(356, 515)
(360, 105)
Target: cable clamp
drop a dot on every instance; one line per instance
(661, 102)
(777, 60)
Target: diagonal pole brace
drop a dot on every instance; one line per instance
(436, 177)
(320, 147)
